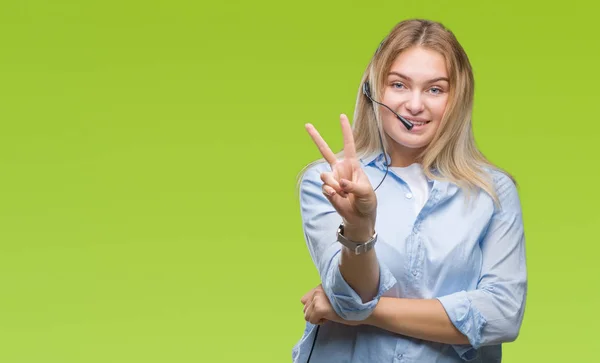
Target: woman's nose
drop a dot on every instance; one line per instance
(415, 104)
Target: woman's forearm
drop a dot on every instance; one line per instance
(418, 318)
(361, 272)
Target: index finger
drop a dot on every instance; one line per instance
(306, 296)
(349, 148)
(321, 144)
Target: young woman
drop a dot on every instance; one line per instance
(418, 239)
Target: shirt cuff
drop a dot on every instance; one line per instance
(467, 319)
(344, 300)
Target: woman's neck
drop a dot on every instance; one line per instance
(403, 156)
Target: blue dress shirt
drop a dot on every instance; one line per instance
(468, 254)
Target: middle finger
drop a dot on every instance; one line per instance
(349, 148)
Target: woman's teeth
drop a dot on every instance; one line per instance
(416, 123)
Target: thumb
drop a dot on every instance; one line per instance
(358, 189)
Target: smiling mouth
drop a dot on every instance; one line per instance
(415, 121)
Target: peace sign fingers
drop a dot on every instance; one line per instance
(328, 155)
(346, 187)
(322, 145)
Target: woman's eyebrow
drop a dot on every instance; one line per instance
(429, 81)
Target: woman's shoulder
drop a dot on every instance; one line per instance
(313, 170)
(310, 175)
(505, 188)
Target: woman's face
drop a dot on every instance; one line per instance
(416, 88)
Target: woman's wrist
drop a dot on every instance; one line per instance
(359, 232)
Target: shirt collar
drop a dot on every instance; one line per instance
(375, 158)
(378, 160)
(442, 189)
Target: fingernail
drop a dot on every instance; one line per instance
(343, 183)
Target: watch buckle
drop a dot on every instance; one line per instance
(361, 248)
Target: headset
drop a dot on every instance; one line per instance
(366, 90)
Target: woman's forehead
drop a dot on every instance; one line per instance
(419, 63)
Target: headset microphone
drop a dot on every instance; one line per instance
(367, 92)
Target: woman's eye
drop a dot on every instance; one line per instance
(436, 90)
(397, 85)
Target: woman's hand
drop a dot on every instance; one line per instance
(347, 186)
(318, 309)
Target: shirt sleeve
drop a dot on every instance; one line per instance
(320, 222)
(493, 312)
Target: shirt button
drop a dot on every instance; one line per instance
(408, 195)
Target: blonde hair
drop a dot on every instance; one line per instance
(452, 153)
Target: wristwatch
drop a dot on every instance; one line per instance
(357, 247)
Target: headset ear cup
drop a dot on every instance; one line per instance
(366, 89)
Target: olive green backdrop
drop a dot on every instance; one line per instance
(149, 149)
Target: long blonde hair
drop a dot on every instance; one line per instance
(452, 153)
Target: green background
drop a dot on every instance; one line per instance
(149, 150)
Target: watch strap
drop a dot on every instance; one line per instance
(357, 247)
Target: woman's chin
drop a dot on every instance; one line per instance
(412, 141)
